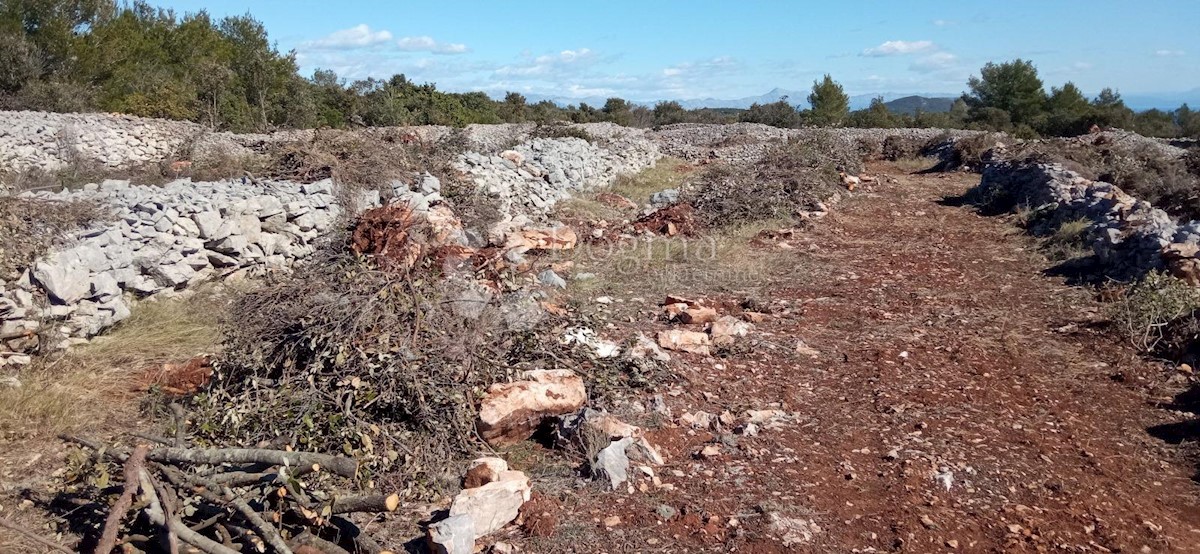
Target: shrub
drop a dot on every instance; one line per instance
(789, 178)
(1069, 240)
(960, 152)
(896, 147)
(1149, 306)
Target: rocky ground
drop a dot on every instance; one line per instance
(895, 372)
(937, 392)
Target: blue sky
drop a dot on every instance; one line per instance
(650, 49)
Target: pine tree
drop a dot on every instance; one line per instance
(830, 104)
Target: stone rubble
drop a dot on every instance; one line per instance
(534, 175)
(1130, 237)
(169, 238)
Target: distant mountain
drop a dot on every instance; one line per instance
(910, 105)
(906, 103)
(798, 98)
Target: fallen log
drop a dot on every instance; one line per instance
(346, 467)
(365, 503)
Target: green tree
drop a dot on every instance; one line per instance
(260, 71)
(1155, 123)
(777, 114)
(877, 116)
(1068, 112)
(830, 104)
(618, 110)
(1110, 110)
(515, 108)
(1013, 87)
(668, 112)
(1188, 121)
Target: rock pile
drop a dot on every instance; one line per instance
(746, 143)
(532, 176)
(49, 141)
(165, 239)
(1128, 235)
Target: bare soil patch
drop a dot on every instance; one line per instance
(958, 398)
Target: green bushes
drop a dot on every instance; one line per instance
(1150, 306)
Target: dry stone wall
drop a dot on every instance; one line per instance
(50, 141)
(532, 176)
(1127, 235)
(163, 239)
(746, 143)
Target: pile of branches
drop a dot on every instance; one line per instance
(365, 158)
(384, 362)
(226, 500)
(790, 178)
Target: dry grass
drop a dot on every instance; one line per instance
(915, 164)
(1068, 241)
(723, 262)
(668, 173)
(91, 386)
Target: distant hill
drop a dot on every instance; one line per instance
(798, 98)
(910, 105)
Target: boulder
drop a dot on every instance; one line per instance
(685, 341)
(550, 278)
(453, 535)
(64, 281)
(512, 411)
(644, 348)
(483, 471)
(612, 463)
(494, 505)
(728, 329)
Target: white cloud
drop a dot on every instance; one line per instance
(938, 61)
(427, 44)
(359, 36)
(1168, 53)
(943, 22)
(900, 47)
(563, 63)
(1082, 65)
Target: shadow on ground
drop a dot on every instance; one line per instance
(1182, 432)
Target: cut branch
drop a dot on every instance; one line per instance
(365, 503)
(112, 525)
(346, 467)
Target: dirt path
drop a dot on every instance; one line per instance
(960, 400)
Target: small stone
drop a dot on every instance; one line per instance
(684, 341)
(550, 278)
(453, 535)
(612, 521)
(665, 512)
